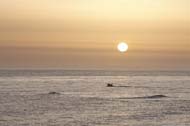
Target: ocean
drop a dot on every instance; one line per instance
(82, 98)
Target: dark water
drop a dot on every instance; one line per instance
(82, 98)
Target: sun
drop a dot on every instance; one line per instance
(122, 47)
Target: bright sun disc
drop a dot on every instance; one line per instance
(122, 47)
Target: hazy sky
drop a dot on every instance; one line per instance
(83, 34)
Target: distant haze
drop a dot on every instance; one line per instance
(83, 34)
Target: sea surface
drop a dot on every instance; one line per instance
(82, 98)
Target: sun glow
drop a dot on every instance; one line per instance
(122, 47)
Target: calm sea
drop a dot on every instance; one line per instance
(82, 98)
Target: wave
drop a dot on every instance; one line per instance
(147, 97)
(118, 86)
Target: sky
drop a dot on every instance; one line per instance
(83, 34)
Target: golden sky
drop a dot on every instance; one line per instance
(83, 34)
